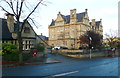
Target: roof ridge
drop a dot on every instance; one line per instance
(76, 13)
(80, 13)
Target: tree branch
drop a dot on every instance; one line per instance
(11, 6)
(17, 7)
(33, 22)
(5, 10)
(20, 8)
(43, 4)
(8, 3)
(27, 6)
(13, 9)
(30, 14)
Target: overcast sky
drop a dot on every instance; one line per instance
(107, 10)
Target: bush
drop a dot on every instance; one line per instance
(53, 52)
(11, 57)
(9, 52)
(27, 56)
(72, 48)
(40, 47)
(8, 48)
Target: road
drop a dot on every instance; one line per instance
(68, 67)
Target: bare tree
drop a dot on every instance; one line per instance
(17, 7)
(112, 39)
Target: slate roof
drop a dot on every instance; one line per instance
(66, 18)
(6, 34)
(52, 23)
(79, 17)
(97, 23)
(28, 37)
(43, 37)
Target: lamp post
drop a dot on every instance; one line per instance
(90, 46)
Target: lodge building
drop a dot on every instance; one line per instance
(9, 33)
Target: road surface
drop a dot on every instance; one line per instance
(68, 67)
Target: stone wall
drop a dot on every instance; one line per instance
(86, 54)
(72, 50)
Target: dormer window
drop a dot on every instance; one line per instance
(26, 30)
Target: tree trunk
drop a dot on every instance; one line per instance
(20, 48)
(19, 38)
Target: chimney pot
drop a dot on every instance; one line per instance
(86, 10)
(59, 12)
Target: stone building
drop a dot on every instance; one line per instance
(9, 34)
(65, 30)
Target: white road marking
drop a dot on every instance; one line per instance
(65, 73)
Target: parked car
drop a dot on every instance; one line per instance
(56, 47)
(83, 47)
(59, 47)
(63, 48)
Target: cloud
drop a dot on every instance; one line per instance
(109, 12)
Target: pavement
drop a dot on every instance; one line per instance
(32, 61)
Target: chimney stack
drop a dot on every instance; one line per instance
(10, 22)
(41, 34)
(73, 13)
(93, 22)
(58, 13)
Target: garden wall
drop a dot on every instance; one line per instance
(86, 53)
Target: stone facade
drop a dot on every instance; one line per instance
(66, 30)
